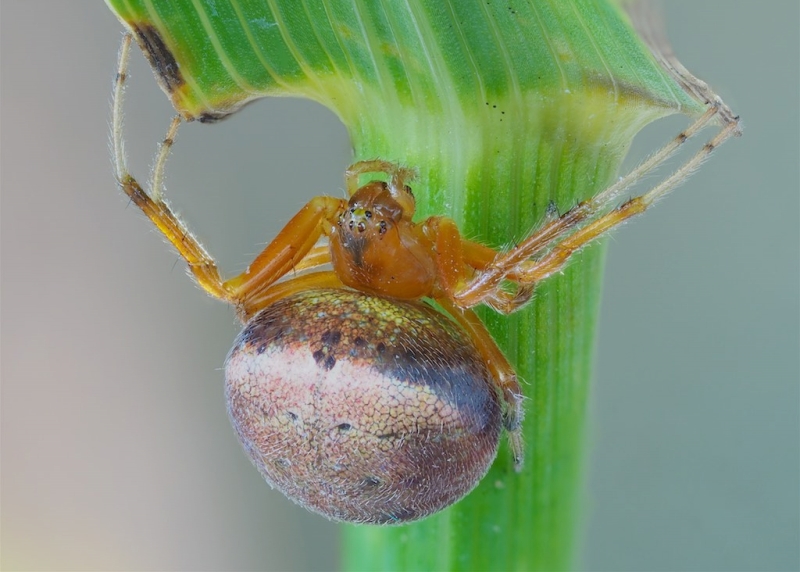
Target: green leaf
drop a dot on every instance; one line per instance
(502, 107)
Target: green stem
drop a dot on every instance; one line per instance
(498, 180)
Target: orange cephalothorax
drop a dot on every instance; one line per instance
(376, 247)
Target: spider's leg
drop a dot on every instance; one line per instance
(286, 252)
(260, 300)
(555, 259)
(455, 258)
(587, 221)
(200, 263)
(502, 372)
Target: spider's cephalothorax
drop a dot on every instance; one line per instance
(350, 393)
(377, 248)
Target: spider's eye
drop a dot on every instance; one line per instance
(382, 227)
(409, 191)
(368, 214)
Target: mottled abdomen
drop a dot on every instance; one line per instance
(360, 408)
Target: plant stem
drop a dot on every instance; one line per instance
(497, 181)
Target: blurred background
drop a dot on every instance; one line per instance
(116, 448)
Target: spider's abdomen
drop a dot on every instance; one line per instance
(361, 408)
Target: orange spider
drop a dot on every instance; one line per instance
(349, 393)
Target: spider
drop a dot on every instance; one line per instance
(348, 391)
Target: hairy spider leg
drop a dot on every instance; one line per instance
(550, 247)
(454, 256)
(554, 260)
(502, 372)
(279, 290)
(280, 257)
(288, 248)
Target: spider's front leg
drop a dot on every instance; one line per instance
(249, 292)
(293, 248)
(548, 250)
(157, 210)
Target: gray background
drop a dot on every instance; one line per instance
(116, 449)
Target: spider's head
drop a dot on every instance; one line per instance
(377, 247)
(375, 208)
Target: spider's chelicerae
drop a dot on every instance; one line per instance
(348, 392)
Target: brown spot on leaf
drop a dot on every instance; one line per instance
(213, 116)
(160, 57)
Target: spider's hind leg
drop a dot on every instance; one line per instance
(503, 374)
